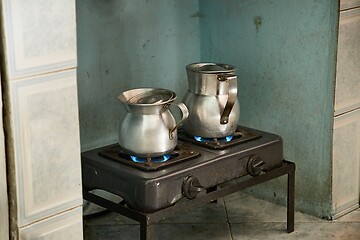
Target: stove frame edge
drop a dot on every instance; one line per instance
(147, 220)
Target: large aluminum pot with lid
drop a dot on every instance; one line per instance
(148, 128)
(212, 100)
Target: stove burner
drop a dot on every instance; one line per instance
(241, 135)
(223, 139)
(179, 155)
(160, 159)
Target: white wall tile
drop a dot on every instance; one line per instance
(346, 161)
(346, 4)
(347, 95)
(47, 145)
(66, 225)
(4, 220)
(40, 36)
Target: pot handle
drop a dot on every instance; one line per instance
(231, 80)
(185, 114)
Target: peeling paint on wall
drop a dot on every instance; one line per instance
(197, 15)
(257, 22)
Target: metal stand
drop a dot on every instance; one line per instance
(147, 220)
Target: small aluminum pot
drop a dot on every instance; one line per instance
(212, 100)
(148, 128)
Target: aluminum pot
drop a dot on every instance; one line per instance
(148, 128)
(212, 100)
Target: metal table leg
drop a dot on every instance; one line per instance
(147, 231)
(291, 200)
(147, 220)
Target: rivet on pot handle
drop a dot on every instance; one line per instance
(231, 80)
(185, 114)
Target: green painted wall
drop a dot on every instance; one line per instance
(285, 51)
(129, 44)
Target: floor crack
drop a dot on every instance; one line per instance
(227, 220)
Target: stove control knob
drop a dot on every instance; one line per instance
(192, 187)
(255, 165)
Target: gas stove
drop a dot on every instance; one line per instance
(196, 165)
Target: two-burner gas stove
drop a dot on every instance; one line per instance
(152, 188)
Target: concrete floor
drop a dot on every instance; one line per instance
(237, 216)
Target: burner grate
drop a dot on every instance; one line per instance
(240, 136)
(178, 155)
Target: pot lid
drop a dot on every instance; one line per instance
(152, 96)
(210, 68)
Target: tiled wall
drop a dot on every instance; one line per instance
(347, 95)
(45, 117)
(346, 140)
(66, 225)
(4, 217)
(40, 37)
(346, 163)
(347, 4)
(40, 52)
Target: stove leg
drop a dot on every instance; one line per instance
(147, 232)
(291, 201)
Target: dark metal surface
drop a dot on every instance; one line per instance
(150, 191)
(147, 220)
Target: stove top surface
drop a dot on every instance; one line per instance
(180, 154)
(150, 186)
(195, 155)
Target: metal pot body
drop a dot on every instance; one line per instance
(204, 117)
(148, 129)
(214, 110)
(147, 135)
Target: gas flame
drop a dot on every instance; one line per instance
(160, 159)
(223, 139)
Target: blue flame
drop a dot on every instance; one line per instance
(199, 139)
(160, 159)
(223, 139)
(228, 138)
